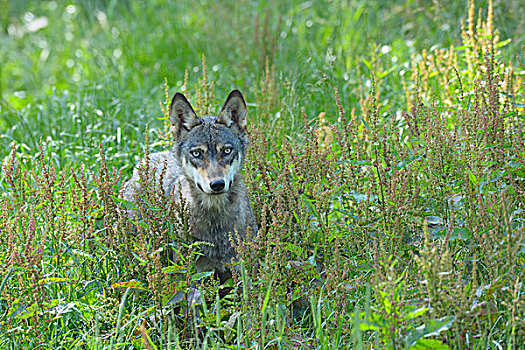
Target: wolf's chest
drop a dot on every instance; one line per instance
(214, 225)
(217, 228)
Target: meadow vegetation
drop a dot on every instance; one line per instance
(386, 171)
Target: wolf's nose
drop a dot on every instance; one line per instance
(217, 185)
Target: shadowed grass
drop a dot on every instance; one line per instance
(386, 173)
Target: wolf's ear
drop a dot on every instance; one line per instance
(182, 116)
(233, 113)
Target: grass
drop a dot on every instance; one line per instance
(386, 172)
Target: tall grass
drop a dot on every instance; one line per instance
(386, 172)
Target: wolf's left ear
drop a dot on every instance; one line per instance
(233, 113)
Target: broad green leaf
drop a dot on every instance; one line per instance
(460, 233)
(429, 344)
(294, 248)
(503, 43)
(27, 312)
(415, 313)
(387, 305)
(133, 285)
(62, 308)
(369, 326)
(267, 297)
(174, 269)
(365, 123)
(375, 322)
(192, 295)
(175, 292)
(16, 308)
(201, 275)
(83, 254)
(472, 178)
(50, 280)
(125, 203)
(367, 64)
(430, 329)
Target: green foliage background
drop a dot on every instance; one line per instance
(78, 75)
(113, 56)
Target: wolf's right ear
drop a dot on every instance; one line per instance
(182, 116)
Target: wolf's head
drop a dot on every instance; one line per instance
(210, 148)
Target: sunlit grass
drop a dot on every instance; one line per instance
(386, 173)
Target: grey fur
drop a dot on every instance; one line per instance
(221, 143)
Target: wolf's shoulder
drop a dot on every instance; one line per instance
(159, 159)
(162, 166)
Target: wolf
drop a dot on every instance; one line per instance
(204, 167)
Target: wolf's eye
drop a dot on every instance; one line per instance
(196, 153)
(227, 150)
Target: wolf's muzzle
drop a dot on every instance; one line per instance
(217, 185)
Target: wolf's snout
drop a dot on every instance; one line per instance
(217, 185)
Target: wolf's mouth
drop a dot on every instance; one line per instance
(210, 194)
(214, 193)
